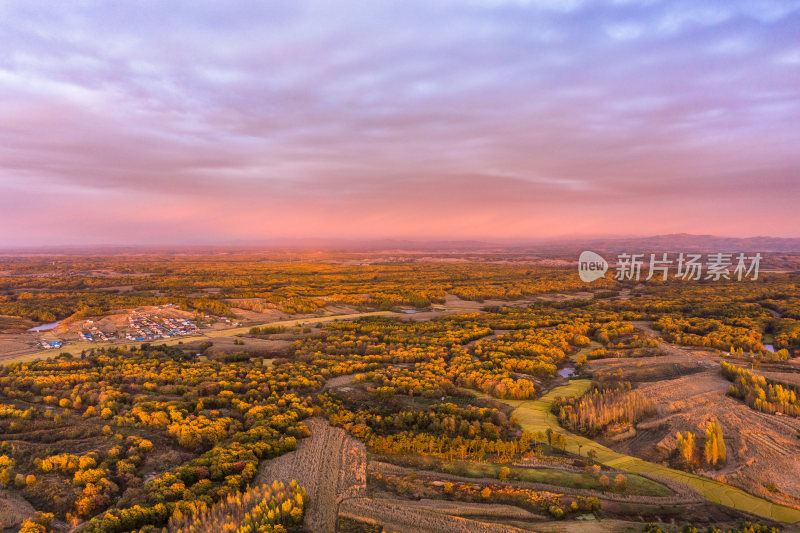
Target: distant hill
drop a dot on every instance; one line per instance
(684, 242)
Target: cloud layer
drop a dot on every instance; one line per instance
(192, 122)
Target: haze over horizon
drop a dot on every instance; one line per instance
(195, 123)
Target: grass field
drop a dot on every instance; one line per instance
(535, 415)
(585, 351)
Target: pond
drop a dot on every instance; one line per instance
(567, 372)
(769, 348)
(46, 327)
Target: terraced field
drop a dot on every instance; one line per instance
(535, 415)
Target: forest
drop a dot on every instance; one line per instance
(760, 393)
(158, 437)
(55, 288)
(120, 414)
(602, 406)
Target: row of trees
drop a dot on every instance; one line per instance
(601, 407)
(536, 501)
(714, 450)
(745, 527)
(760, 393)
(446, 447)
(274, 508)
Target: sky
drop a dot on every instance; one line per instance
(199, 122)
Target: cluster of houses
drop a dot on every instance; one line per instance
(227, 320)
(146, 327)
(92, 333)
(142, 327)
(50, 345)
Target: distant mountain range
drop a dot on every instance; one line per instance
(684, 242)
(678, 242)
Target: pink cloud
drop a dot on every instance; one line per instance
(509, 120)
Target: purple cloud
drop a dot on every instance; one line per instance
(196, 121)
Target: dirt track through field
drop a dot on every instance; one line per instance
(428, 516)
(330, 464)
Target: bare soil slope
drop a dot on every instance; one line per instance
(13, 509)
(758, 444)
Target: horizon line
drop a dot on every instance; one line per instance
(326, 243)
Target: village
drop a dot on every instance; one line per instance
(143, 324)
(149, 327)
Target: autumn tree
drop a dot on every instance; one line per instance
(715, 451)
(38, 523)
(504, 473)
(686, 446)
(6, 470)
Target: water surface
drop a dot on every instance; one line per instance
(46, 327)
